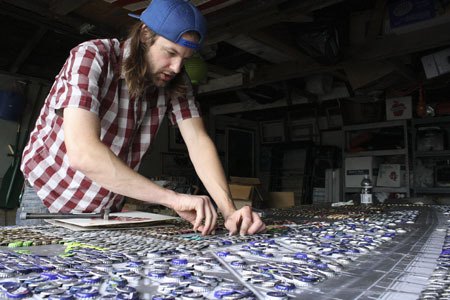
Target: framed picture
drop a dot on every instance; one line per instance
(301, 131)
(176, 142)
(240, 152)
(272, 131)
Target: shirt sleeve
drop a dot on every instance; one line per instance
(79, 82)
(183, 107)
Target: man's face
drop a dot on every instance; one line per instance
(166, 59)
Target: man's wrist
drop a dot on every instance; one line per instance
(168, 199)
(228, 209)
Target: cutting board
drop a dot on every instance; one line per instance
(120, 219)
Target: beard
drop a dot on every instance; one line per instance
(157, 77)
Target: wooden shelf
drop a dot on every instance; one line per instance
(404, 152)
(432, 153)
(432, 156)
(432, 190)
(374, 125)
(377, 153)
(432, 120)
(380, 189)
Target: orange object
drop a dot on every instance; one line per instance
(421, 108)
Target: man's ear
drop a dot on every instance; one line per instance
(144, 34)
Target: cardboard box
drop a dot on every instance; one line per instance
(389, 175)
(281, 200)
(241, 192)
(241, 195)
(241, 203)
(357, 167)
(437, 63)
(399, 108)
(245, 180)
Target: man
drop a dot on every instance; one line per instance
(103, 112)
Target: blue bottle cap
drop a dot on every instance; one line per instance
(126, 289)
(44, 288)
(163, 297)
(117, 281)
(127, 296)
(182, 273)
(66, 275)
(91, 280)
(276, 295)
(191, 296)
(47, 267)
(8, 285)
(266, 255)
(19, 293)
(238, 263)
(54, 291)
(285, 286)
(301, 255)
(179, 261)
(308, 278)
(224, 292)
(75, 288)
(135, 263)
(223, 253)
(180, 291)
(108, 297)
(87, 293)
(63, 296)
(156, 274)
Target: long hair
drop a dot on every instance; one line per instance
(136, 66)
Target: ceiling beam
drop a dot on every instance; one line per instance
(26, 51)
(216, 71)
(223, 83)
(380, 49)
(32, 12)
(404, 70)
(286, 50)
(263, 49)
(393, 45)
(258, 15)
(63, 7)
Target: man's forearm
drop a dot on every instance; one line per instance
(101, 165)
(208, 167)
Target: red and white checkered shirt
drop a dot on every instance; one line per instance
(91, 79)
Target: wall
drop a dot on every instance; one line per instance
(35, 91)
(8, 129)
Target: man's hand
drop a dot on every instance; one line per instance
(198, 210)
(244, 221)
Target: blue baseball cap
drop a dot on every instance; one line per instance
(172, 18)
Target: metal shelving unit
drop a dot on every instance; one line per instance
(433, 157)
(406, 189)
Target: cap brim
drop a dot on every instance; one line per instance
(134, 16)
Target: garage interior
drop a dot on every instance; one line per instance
(290, 78)
(302, 99)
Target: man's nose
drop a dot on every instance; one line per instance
(176, 65)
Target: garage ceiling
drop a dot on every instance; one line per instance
(257, 46)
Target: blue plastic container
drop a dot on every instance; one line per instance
(11, 105)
